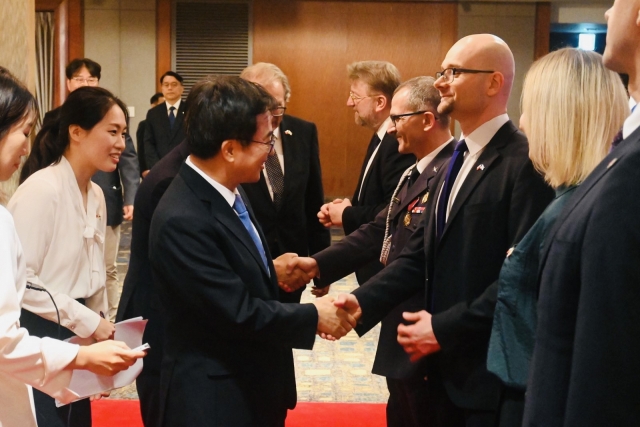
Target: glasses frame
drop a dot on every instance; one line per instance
(89, 80)
(279, 107)
(456, 71)
(271, 144)
(394, 117)
(355, 98)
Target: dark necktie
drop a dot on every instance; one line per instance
(241, 210)
(172, 117)
(276, 178)
(452, 172)
(415, 174)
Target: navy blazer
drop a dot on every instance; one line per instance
(584, 370)
(495, 206)
(228, 358)
(159, 136)
(365, 244)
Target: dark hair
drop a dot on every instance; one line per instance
(221, 108)
(16, 102)
(85, 107)
(155, 98)
(177, 76)
(74, 66)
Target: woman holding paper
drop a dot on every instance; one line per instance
(44, 363)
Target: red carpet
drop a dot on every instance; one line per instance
(126, 413)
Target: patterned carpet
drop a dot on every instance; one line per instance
(331, 372)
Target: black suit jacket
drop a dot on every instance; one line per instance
(126, 175)
(295, 226)
(494, 208)
(159, 137)
(365, 244)
(377, 189)
(228, 358)
(584, 370)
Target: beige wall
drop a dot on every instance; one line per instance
(121, 36)
(18, 54)
(564, 13)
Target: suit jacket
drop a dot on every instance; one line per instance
(159, 137)
(126, 175)
(295, 226)
(377, 189)
(584, 370)
(365, 244)
(228, 358)
(142, 161)
(494, 208)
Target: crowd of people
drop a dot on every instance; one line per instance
(500, 263)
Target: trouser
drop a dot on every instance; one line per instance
(111, 245)
(407, 401)
(442, 412)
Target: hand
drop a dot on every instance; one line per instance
(303, 266)
(350, 304)
(292, 279)
(127, 211)
(333, 320)
(104, 331)
(320, 292)
(99, 396)
(145, 173)
(418, 339)
(105, 358)
(336, 209)
(323, 215)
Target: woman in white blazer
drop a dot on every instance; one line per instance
(26, 360)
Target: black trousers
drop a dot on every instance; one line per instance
(442, 412)
(407, 401)
(77, 414)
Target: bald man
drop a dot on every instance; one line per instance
(483, 201)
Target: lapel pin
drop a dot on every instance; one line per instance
(480, 167)
(288, 132)
(612, 162)
(425, 197)
(510, 251)
(435, 169)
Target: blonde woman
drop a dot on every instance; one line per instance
(572, 107)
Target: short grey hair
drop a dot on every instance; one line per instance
(424, 96)
(266, 73)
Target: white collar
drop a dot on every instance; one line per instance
(424, 162)
(633, 121)
(382, 130)
(479, 138)
(229, 196)
(177, 104)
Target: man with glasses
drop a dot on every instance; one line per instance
(289, 194)
(423, 132)
(372, 87)
(164, 129)
(484, 201)
(228, 358)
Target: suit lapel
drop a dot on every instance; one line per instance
(179, 119)
(480, 168)
(222, 212)
(163, 116)
(290, 153)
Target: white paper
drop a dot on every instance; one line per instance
(85, 383)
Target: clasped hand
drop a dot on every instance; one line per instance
(337, 317)
(418, 339)
(331, 213)
(294, 272)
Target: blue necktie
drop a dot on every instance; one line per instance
(241, 210)
(172, 117)
(452, 172)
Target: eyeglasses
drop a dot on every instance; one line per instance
(89, 80)
(449, 73)
(355, 98)
(396, 117)
(270, 144)
(172, 84)
(278, 111)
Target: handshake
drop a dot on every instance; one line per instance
(294, 272)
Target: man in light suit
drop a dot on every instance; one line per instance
(164, 128)
(228, 358)
(372, 87)
(423, 132)
(289, 194)
(584, 370)
(486, 199)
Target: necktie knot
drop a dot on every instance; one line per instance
(172, 108)
(461, 146)
(239, 206)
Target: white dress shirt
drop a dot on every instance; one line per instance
(633, 121)
(63, 245)
(24, 359)
(177, 105)
(424, 162)
(476, 142)
(382, 130)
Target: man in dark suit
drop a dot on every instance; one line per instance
(372, 86)
(484, 200)
(423, 132)
(584, 370)
(164, 128)
(156, 99)
(85, 72)
(228, 358)
(289, 194)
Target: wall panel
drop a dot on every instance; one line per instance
(314, 41)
